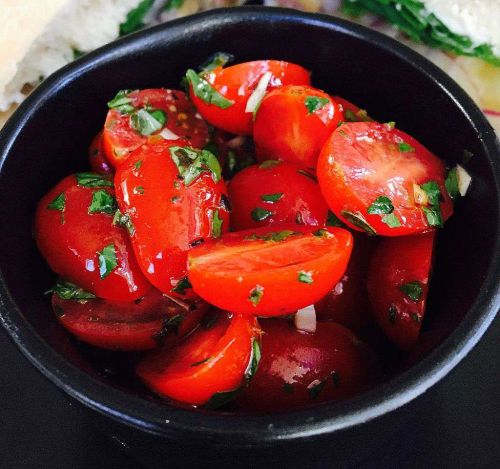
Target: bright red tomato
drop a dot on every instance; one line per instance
(298, 368)
(97, 158)
(140, 325)
(268, 272)
(236, 84)
(347, 303)
(173, 203)
(136, 116)
(275, 193)
(293, 123)
(398, 281)
(74, 231)
(217, 358)
(380, 180)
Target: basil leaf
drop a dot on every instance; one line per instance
(216, 224)
(135, 17)
(121, 102)
(220, 399)
(256, 295)
(451, 183)
(358, 220)
(305, 277)
(103, 202)
(147, 122)
(206, 92)
(433, 215)
(433, 192)
(123, 220)
(333, 220)
(260, 214)
(107, 261)
(307, 174)
(170, 325)
(219, 59)
(58, 203)
(70, 291)
(182, 285)
(412, 290)
(191, 163)
(92, 180)
(253, 364)
(269, 164)
(391, 220)
(271, 197)
(315, 103)
(137, 165)
(381, 206)
(405, 147)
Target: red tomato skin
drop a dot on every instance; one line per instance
(226, 272)
(120, 139)
(70, 240)
(395, 262)
(355, 165)
(97, 158)
(301, 201)
(167, 215)
(181, 372)
(294, 362)
(285, 129)
(237, 83)
(127, 326)
(347, 303)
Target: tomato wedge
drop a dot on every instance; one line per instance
(268, 272)
(137, 116)
(235, 85)
(172, 202)
(141, 325)
(97, 158)
(398, 282)
(380, 180)
(210, 365)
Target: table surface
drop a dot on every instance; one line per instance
(41, 428)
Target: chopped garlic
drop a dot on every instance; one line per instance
(305, 319)
(464, 179)
(259, 93)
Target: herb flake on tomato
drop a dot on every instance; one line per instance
(206, 92)
(103, 202)
(315, 103)
(92, 180)
(70, 291)
(256, 295)
(107, 261)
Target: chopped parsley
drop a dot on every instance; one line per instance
(260, 214)
(220, 399)
(191, 163)
(434, 216)
(271, 198)
(357, 219)
(182, 285)
(432, 191)
(305, 277)
(121, 102)
(206, 92)
(269, 164)
(92, 180)
(315, 103)
(123, 220)
(58, 203)
(70, 291)
(451, 183)
(216, 224)
(405, 147)
(137, 165)
(412, 290)
(256, 295)
(103, 202)
(219, 59)
(147, 121)
(381, 206)
(107, 261)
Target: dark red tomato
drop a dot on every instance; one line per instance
(217, 358)
(171, 206)
(74, 231)
(97, 158)
(293, 123)
(236, 84)
(398, 281)
(380, 180)
(275, 193)
(268, 272)
(352, 113)
(347, 303)
(140, 325)
(138, 115)
(301, 368)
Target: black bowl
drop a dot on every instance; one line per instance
(48, 137)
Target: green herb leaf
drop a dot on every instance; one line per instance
(58, 203)
(315, 103)
(173, 5)
(220, 399)
(305, 277)
(405, 147)
(107, 261)
(315, 389)
(182, 285)
(170, 325)
(121, 102)
(275, 236)
(137, 165)
(138, 190)
(92, 180)
(381, 206)
(269, 164)
(412, 290)
(216, 224)
(254, 361)
(206, 92)
(307, 174)
(321, 233)
(433, 215)
(123, 220)
(191, 163)
(147, 122)
(219, 59)
(433, 192)
(70, 291)
(357, 219)
(271, 197)
(451, 183)
(260, 214)
(135, 17)
(391, 220)
(256, 295)
(333, 220)
(103, 202)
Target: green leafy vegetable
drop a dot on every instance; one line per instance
(451, 183)
(381, 206)
(305, 277)
(123, 220)
(272, 197)
(260, 214)
(107, 261)
(219, 59)
(135, 17)
(170, 324)
(256, 295)
(70, 291)
(275, 236)
(269, 164)
(391, 220)
(333, 220)
(147, 121)
(433, 192)
(92, 180)
(307, 174)
(220, 399)
(357, 219)
(173, 4)
(182, 285)
(121, 102)
(433, 215)
(103, 202)
(412, 290)
(216, 224)
(206, 92)
(58, 203)
(191, 163)
(405, 147)
(138, 190)
(315, 103)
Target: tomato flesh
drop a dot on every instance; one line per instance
(97, 158)
(267, 272)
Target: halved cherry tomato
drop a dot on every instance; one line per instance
(275, 193)
(347, 303)
(140, 325)
(172, 206)
(293, 123)
(97, 158)
(236, 84)
(217, 358)
(380, 180)
(138, 115)
(398, 281)
(268, 272)
(352, 113)
(299, 368)
(74, 231)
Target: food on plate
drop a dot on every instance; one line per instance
(241, 284)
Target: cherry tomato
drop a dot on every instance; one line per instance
(171, 206)
(236, 84)
(275, 193)
(138, 115)
(74, 231)
(293, 123)
(268, 272)
(380, 180)
(301, 368)
(140, 325)
(97, 158)
(352, 113)
(217, 358)
(347, 303)
(398, 281)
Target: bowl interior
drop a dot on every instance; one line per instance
(50, 134)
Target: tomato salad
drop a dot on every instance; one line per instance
(248, 238)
